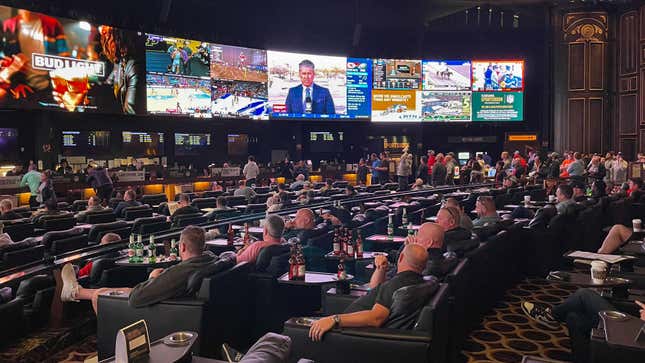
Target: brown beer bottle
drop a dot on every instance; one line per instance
(230, 234)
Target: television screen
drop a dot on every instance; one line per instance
(239, 82)
(191, 144)
(174, 95)
(498, 75)
(446, 105)
(397, 74)
(498, 106)
(396, 105)
(315, 86)
(177, 56)
(143, 143)
(326, 141)
(59, 63)
(81, 143)
(238, 144)
(450, 75)
(9, 144)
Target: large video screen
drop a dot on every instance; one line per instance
(191, 144)
(58, 63)
(81, 143)
(315, 86)
(498, 75)
(136, 143)
(177, 56)
(9, 144)
(448, 75)
(175, 95)
(446, 105)
(239, 82)
(498, 106)
(397, 74)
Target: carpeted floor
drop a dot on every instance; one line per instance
(507, 334)
(79, 352)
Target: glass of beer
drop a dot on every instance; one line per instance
(70, 86)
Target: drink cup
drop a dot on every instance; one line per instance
(527, 199)
(551, 198)
(638, 224)
(598, 272)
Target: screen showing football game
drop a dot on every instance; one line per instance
(64, 64)
(315, 86)
(80, 143)
(498, 90)
(239, 78)
(191, 144)
(136, 143)
(178, 76)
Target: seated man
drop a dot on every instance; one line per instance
(306, 188)
(580, 313)
(448, 218)
(373, 309)
(579, 191)
(563, 195)
(301, 226)
(338, 217)
(324, 191)
(184, 207)
(5, 238)
(431, 237)
(6, 210)
(128, 201)
(93, 205)
(486, 211)
(299, 183)
(163, 283)
(464, 220)
(51, 209)
(107, 238)
(350, 191)
(271, 235)
(244, 191)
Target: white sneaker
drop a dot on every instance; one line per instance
(70, 284)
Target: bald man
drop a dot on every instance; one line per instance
(430, 236)
(449, 219)
(373, 309)
(301, 226)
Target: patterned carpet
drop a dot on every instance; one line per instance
(86, 349)
(507, 334)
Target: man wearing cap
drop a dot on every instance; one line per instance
(579, 190)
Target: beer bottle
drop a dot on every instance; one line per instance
(230, 234)
(404, 218)
(131, 250)
(359, 245)
(173, 250)
(336, 242)
(293, 271)
(247, 236)
(390, 226)
(410, 230)
(139, 249)
(152, 249)
(342, 275)
(300, 261)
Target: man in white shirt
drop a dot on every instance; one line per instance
(251, 171)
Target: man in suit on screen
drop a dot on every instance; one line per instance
(309, 97)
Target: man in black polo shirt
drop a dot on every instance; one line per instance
(301, 226)
(449, 218)
(184, 207)
(373, 309)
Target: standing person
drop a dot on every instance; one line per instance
(608, 162)
(46, 188)
(423, 172)
(404, 170)
(619, 170)
(286, 169)
(385, 168)
(251, 171)
(361, 172)
(431, 160)
(450, 164)
(301, 168)
(32, 180)
(596, 170)
(506, 159)
(376, 165)
(439, 171)
(100, 180)
(576, 168)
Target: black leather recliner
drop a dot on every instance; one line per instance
(49, 237)
(140, 222)
(36, 294)
(19, 229)
(96, 232)
(216, 311)
(104, 216)
(132, 213)
(21, 253)
(426, 342)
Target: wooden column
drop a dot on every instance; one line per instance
(585, 37)
(630, 67)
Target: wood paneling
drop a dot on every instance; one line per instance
(627, 112)
(577, 67)
(596, 66)
(628, 43)
(577, 116)
(594, 135)
(628, 147)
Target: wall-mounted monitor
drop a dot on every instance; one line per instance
(498, 75)
(64, 64)
(318, 87)
(138, 143)
(238, 144)
(193, 144)
(239, 82)
(9, 144)
(326, 141)
(177, 56)
(81, 143)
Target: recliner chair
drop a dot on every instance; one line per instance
(95, 233)
(132, 213)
